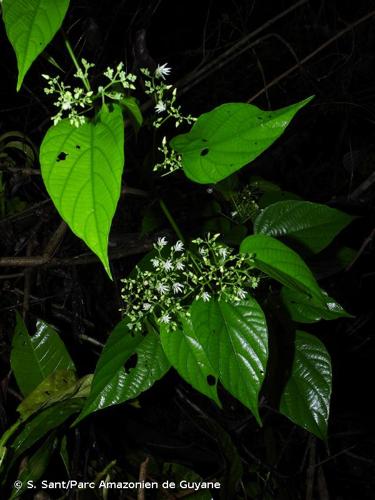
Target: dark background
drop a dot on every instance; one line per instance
(327, 155)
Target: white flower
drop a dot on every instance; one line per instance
(223, 252)
(241, 294)
(160, 107)
(167, 265)
(165, 318)
(161, 288)
(155, 263)
(67, 101)
(180, 265)
(146, 306)
(162, 71)
(179, 246)
(161, 242)
(206, 296)
(177, 287)
(203, 251)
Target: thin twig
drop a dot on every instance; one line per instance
(312, 54)
(196, 76)
(142, 478)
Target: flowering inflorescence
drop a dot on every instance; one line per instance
(73, 102)
(178, 277)
(165, 97)
(171, 162)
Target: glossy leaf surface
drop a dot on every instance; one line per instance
(311, 224)
(43, 422)
(281, 263)
(307, 309)
(111, 383)
(30, 26)
(235, 341)
(307, 394)
(227, 138)
(187, 355)
(82, 168)
(34, 358)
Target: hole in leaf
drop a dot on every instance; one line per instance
(204, 140)
(211, 380)
(78, 146)
(62, 156)
(131, 362)
(204, 151)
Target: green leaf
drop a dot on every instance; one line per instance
(42, 423)
(130, 104)
(34, 358)
(187, 355)
(35, 465)
(55, 384)
(59, 386)
(306, 397)
(30, 26)
(307, 309)
(281, 263)
(235, 341)
(227, 138)
(111, 383)
(82, 168)
(311, 224)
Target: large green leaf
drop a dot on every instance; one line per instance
(235, 340)
(187, 356)
(82, 170)
(305, 308)
(307, 394)
(34, 358)
(112, 384)
(281, 263)
(311, 224)
(35, 466)
(228, 137)
(42, 423)
(59, 386)
(30, 26)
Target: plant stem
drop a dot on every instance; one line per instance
(76, 63)
(171, 220)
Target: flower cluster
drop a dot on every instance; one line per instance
(171, 162)
(73, 102)
(178, 277)
(70, 101)
(165, 97)
(117, 78)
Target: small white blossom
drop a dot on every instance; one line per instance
(180, 266)
(179, 246)
(167, 265)
(162, 71)
(223, 252)
(160, 107)
(241, 294)
(146, 306)
(206, 296)
(155, 262)
(161, 288)
(166, 318)
(177, 287)
(161, 242)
